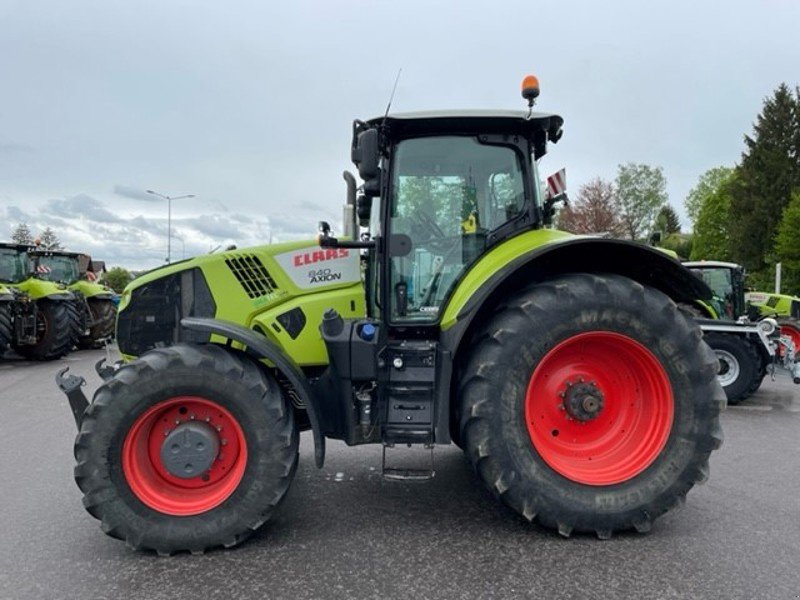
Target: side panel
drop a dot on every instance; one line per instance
(294, 325)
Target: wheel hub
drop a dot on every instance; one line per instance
(190, 449)
(583, 401)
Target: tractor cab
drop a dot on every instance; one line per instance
(57, 266)
(440, 189)
(726, 280)
(15, 267)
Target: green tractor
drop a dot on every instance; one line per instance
(785, 309)
(747, 345)
(46, 324)
(447, 312)
(94, 301)
(6, 318)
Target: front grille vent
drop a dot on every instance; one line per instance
(252, 275)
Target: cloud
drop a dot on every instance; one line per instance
(84, 223)
(135, 193)
(82, 206)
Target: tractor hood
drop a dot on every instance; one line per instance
(236, 285)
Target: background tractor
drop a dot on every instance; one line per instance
(93, 300)
(785, 309)
(447, 312)
(46, 324)
(747, 344)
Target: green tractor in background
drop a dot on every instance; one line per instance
(46, 324)
(6, 318)
(785, 309)
(748, 345)
(94, 301)
(448, 311)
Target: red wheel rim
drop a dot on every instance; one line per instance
(631, 426)
(793, 334)
(156, 487)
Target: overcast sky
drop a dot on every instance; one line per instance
(249, 105)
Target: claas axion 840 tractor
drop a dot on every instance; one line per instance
(582, 396)
(93, 300)
(44, 320)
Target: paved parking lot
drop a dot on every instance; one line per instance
(343, 532)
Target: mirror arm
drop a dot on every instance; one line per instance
(326, 241)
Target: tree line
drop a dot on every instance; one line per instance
(748, 213)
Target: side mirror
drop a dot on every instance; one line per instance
(366, 156)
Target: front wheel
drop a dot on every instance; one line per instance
(186, 448)
(590, 403)
(740, 368)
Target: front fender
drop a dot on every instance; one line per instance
(261, 348)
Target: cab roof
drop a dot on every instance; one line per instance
(15, 246)
(712, 264)
(501, 121)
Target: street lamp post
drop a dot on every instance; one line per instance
(169, 200)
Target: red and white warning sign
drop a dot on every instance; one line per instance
(556, 184)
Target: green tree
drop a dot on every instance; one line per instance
(642, 191)
(787, 245)
(680, 243)
(49, 240)
(768, 174)
(711, 237)
(667, 221)
(117, 278)
(708, 184)
(21, 234)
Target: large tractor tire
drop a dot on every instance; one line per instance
(185, 449)
(741, 370)
(6, 327)
(590, 403)
(57, 330)
(104, 316)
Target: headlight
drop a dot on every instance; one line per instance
(768, 326)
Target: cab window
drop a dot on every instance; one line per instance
(448, 194)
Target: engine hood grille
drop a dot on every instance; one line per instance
(252, 275)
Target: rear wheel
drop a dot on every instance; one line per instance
(104, 315)
(57, 330)
(186, 448)
(740, 367)
(590, 404)
(6, 330)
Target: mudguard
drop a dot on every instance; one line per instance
(260, 347)
(512, 266)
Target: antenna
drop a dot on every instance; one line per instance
(394, 89)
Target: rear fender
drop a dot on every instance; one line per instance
(485, 286)
(260, 348)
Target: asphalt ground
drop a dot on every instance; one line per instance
(344, 532)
